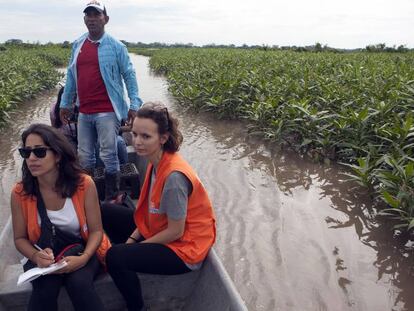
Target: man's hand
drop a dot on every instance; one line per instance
(65, 115)
(131, 116)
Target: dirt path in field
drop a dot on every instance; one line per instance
(291, 234)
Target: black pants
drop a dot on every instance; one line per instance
(78, 284)
(118, 222)
(124, 260)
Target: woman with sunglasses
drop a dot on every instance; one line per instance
(50, 169)
(173, 227)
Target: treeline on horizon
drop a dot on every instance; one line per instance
(317, 47)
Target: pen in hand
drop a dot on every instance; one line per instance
(45, 254)
(38, 247)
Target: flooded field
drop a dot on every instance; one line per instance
(291, 233)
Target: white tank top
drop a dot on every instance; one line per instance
(65, 218)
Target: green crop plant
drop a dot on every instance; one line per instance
(354, 108)
(25, 72)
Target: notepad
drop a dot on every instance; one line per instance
(34, 273)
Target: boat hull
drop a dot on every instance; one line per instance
(209, 288)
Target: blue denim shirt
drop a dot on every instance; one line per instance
(115, 66)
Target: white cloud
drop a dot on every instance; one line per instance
(352, 23)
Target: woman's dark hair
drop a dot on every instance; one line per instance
(58, 123)
(68, 167)
(167, 124)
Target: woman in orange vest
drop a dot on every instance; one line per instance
(54, 190)
(174, 219)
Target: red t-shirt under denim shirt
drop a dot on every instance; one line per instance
(92, 93)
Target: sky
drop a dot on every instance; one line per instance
(339, 24)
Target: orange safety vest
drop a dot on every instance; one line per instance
(28, 204)
(200, 230)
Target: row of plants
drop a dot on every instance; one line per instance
(353, 108)
(26, 72)
(143, 51)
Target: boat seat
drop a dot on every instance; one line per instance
(129, 180)
(155, 290)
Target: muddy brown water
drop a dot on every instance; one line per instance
(291, 233)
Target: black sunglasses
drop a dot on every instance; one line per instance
(39, 152)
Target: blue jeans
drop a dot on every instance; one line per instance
(122, 152)
(101, 128)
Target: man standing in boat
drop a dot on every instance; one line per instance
(98, 66)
